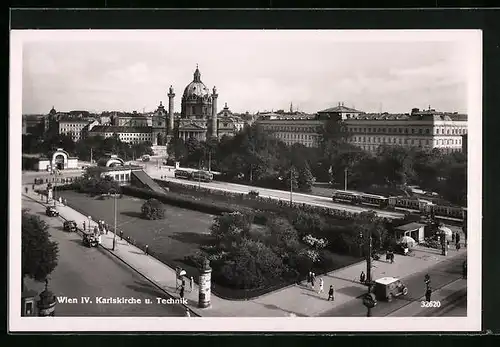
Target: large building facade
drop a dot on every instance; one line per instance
(423, 129)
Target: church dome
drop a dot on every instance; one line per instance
(197, 88)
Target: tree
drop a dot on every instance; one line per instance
(395, 164)
(231, 227)
(152, 209)
(39, 253)
(176, 149)
(305, 179)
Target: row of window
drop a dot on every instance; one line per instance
(374, 148)
(439, 131)
(404, 141)
(121, 177)
(297, 136)
(293, 128)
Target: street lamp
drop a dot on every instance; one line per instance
(368, 257)
(113, 192)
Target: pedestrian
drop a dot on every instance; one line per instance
(321, 284)
(65, 202)
(362, 277)
(33, 187)
(457, 246)
(313, 280)
(448, 244)
(457, 238)
(26, 190)
(182, 291)
(330, 293)
(453, 237)
(121, 234)
(147, 249)
(188, 314)
(128, 239)
(107, 229)
(464, 269)
(309, 278)
(83, 225)
(428, 293)
(191, 283)
(60, 200)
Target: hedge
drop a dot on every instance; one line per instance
(211, 207)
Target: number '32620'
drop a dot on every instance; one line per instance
(429, 304)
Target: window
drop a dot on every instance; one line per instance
(400, 130)
(427, 141)
(427, 131)
(413, 131)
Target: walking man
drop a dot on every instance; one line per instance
(84, 226)
(191, 283)
(362, 277)
(309, 278)
(26, 190)
(147, 249)
(428, 293)
(321, 283)
(330, 293)
(182, 292)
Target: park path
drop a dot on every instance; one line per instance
(294, 300)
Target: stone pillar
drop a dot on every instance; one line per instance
(171, 95)
(214, 113)
(205, 285)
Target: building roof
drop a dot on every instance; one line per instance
(119, 129)
(340, 108)
(196, 88)
(410, 226)
(67, 119)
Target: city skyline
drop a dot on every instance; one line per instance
(252, 70)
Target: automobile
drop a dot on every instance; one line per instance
(387, 288)
(90, 240)
(51, 211)
(70, 226)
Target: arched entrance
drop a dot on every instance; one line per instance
(59, 162)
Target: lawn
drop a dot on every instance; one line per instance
(170, 240)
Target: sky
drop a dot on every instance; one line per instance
(252, 70)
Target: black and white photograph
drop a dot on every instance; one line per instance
(245, 180)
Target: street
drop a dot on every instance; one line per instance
(151, 168)
(441, 275)
(93, 272)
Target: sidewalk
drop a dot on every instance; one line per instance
(292, 300)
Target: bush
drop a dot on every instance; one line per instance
(254, 265)
(231, 227)
(152, 210)
(253, 193)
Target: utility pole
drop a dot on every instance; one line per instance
(345, 179)
(369, 262)
(291, 185)
(209, 161)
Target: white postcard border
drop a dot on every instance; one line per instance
(473, 41)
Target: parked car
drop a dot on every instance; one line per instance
(69, 226)
(90, 240)
(387, 288)
(51, 211)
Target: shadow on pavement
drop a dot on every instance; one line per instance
(146, 289)
(355, 292)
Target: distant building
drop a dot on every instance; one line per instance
(73, 127)
(125, 133)
(423, 129)
(464, 143)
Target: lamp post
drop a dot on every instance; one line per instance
(113, 192)
(367, 240)
(291, 185)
